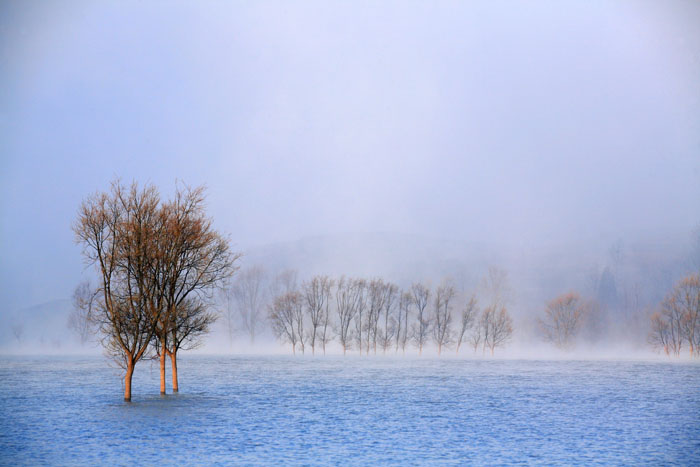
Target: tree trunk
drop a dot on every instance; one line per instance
(127, 381)
(162, 368)
(173, 361)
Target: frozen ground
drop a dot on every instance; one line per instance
(362, 411)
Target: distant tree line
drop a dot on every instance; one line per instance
(158, 263)
(371, 316)
(368, 316)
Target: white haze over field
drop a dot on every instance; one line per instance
(408, 140)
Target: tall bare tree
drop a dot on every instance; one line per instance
(325, 329)
(316, 294)
(678, 320)
(376, 294)
(669, 320)
(387, 318)
(151, 256)
(405, 301)
(562, 319)
(360, 311)
(497, 327)
(442, 315)
(346, 297)
(80, 320)
(284, 313)
(687, 297)
(248, 295)
(660, 333)
(420, 295)
(299, 324)
(197, 261)
(122, 235)
(468, 319)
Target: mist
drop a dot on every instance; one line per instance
(410, 141)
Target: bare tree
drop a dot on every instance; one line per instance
(122, 234)
(386, 333)
(562, 319)
(325, 335)
(248, 294)
(467, 322)
(197, 261)
(669, 321)
(687, 298)
(284, 314)
(316, 294)
(150, 257)
(346, 304)
(80, 319)
(360, 311)
(678, 320)
(421, 328)
(284, 284)
(497, 327)
(405, 301)
(298, 310)
(442, 315)
(376, 294)
(660, 334)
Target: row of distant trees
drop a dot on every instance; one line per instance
(677, 322)
(158, 263)
(372, 316)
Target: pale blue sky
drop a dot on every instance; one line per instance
(511, 122)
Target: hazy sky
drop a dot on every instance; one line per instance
(515, 122)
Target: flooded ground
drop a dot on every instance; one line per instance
(361, 411)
